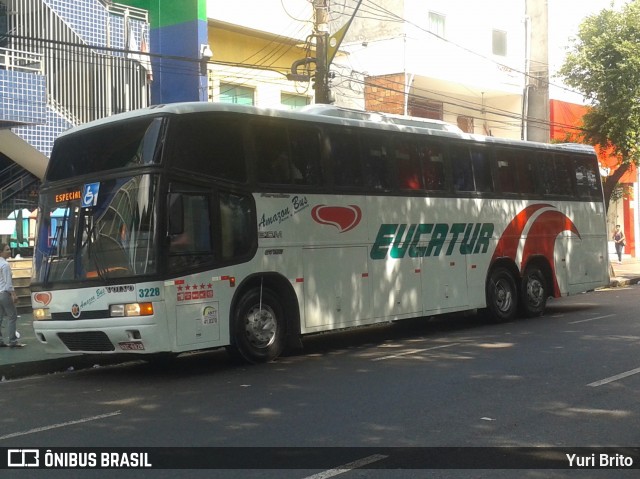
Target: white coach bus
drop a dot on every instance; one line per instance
(193, 226)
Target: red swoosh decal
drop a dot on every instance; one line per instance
(508, 244)
(541, 237)
(344, 218)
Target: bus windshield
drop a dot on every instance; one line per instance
(115, 238)
(129, 144)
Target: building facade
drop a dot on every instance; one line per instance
(62, 63)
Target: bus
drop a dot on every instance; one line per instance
(196, 226)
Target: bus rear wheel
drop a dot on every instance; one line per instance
(502, 295)
(533, 292)
(258, 329)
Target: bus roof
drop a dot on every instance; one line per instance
(330, 114)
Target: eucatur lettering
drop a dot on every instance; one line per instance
(429, 239)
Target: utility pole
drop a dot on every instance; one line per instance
(326, 49)
(321, 32)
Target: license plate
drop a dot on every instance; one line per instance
(132, 346)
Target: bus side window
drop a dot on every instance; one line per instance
(209, 145)
(564, 175)
(482, 169)
(526, 166)
(192, 246)
(408, 165)
(556, 176)
(344, 154)
(376, 161)
(587, 181)
(433, 166)
(462, 168)
(273, 160)
(236, 218)
(305, 153)
(507, 171)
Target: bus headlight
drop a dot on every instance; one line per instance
(40, 314)
(131, 309)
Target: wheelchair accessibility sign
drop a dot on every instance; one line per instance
(90, 194)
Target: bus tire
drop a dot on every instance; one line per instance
(533, 292)
(258, 330)
(502, 295)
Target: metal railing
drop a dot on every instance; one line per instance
(19, 60)
(86, 81)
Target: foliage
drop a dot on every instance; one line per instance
(604, 65)
(620, 192)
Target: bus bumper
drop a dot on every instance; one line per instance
(82, 337)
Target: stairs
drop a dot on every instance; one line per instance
(21, 270)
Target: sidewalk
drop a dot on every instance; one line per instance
(626, 273)
(32, 359)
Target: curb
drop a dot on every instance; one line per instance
(58, 365)
(620, 282)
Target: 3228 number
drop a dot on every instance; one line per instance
(148, 292)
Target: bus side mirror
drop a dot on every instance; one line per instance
(176, 214)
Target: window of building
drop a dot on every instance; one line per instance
(465, 123)
(241, 95)
(499, 42)
(436, 23)
(434, 110)
(292, 101)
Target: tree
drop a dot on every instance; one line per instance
(603, 64)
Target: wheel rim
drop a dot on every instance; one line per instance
(503, 296)
(535, 291)
(261, 326)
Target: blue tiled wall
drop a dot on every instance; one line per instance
(41, 136)
(22, 97)
(88, 18)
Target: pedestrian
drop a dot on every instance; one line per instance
(619, 241)
(8, 299)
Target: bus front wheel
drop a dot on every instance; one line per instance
(533, 293)
(502, 295)
(258, 330)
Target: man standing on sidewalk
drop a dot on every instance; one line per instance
(8, 299)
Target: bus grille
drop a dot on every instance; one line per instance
(87, 341)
